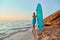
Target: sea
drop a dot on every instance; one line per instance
(8, 26)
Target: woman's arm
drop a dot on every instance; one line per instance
(32, 15)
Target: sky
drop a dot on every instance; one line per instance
(23, 9)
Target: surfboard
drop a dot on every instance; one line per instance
(39, 15)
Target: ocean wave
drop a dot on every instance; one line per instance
(6, 27)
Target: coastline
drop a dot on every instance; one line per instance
(17, 32)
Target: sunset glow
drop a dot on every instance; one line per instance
(23, 9)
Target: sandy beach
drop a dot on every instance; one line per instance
(19, 35)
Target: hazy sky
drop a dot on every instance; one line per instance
(23, 9)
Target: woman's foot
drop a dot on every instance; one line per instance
(33, 31)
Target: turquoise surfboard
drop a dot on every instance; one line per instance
(39, 15)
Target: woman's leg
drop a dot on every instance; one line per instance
(33, 26)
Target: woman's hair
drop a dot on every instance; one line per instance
(33, 12)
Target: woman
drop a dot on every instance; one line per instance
(33, 21)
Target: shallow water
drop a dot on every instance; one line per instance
(12, 25)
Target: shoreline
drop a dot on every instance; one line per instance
(15, 31)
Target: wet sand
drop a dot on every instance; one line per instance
(19, 35)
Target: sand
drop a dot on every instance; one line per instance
(27, 35)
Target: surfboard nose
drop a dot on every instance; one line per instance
(38, 7)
